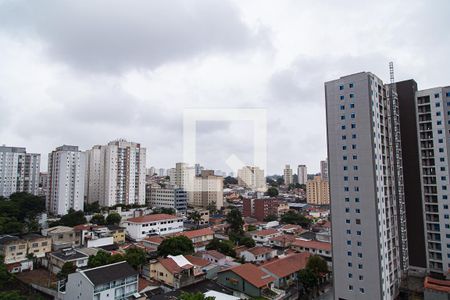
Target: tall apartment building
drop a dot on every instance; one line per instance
(116, 173)
(207, 190)
(302, 174)
(66, 179)
(287, 175)
(324, 169)
(183, 176)
(168, 197)
(252, 177)
(317, 191)
(19, 171)
(370, 253)
(43, 184)
(433, 120)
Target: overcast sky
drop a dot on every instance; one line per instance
(86, 72)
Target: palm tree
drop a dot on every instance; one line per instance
(195, 217)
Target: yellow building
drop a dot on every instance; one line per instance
(13, 249)
(38, 245)
(318, 191)
(118, 234)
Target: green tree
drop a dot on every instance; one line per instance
(292, 217)
(272, 192)
(194, 296)
(317, 265)
(247, 242)
(224, 247)
(307, 278)
(163, 210)
(73, 218)
(113, 219)
(234, 219)
(11, 295)
(175, 246)
(5, 276)
(91, 208)
(270, 218)
(98, 219)
(67, 268)
(195, 217)
(99, 259)
(251, 227)
(136, 257)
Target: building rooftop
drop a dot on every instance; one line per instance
(287, 265)
(216, 254)
(108, 273)
(69, 254)
(58, 229)
(152, 218)
(259, 250)
(437, 285)
(195, 233)
(5, 239)
(265, 232)
(312, 244)
(251, 273)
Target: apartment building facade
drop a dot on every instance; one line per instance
(116, 173)
(19, 171)
(66, 171)
(302, 174)
(370, 254)
(252, 177)
(287, 175)
(317, 191)
(168, 197)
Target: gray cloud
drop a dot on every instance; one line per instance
(111, 36)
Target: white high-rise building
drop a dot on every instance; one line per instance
(252, 177)
(182, 176)
(19, 171)
(302, 174)
(287, 175)
(324, 169)
(162, 172)
(116, 173)
(370, 253)
(433, 119)
(66, 179)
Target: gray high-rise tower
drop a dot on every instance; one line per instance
(370, 253)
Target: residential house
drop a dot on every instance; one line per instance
(118, 233)
(94, 235)
(178, 271)
(247, 279)
(140, 227)
(37, 245)
(215, 257)
(262, 237)
(58, 258)
(282, 241)
(200, 237)
(258, 254)
(292, 229)
(285, 269)
(14, 251)
(113, 281)
(62, 237)
(314, 247)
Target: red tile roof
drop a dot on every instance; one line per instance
(288, 265)
(154, 239)
(171, 266)
(285, 238)
(437, 285)
(215, 254)
(312, 244)
(265, 232)
(258, 250)
(195, 233)
(197, 261)
(252, 274)
(152, 218)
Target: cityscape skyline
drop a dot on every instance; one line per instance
(268, 57)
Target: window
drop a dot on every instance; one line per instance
(441, 150)
(438, 104)
(349, 242)
(341, 87)
(349, 264)
(448, 95)
(361, 290)
(347, 221)
(349, 231)
(341, 97)
(347, 199)
(354, 136)
(347, 209)
(350, 85)
(358, 221)
(346, 189)
(344, 157)
(343, 127)
(353, 146)
(342, 107)
(438, 113)
(349, 253)
(361, 277)
(344, 137)
(350, 287)
(344, 147)
(352, 105)
(342, 117)
(345, 168)
(357, 210)
(360, 266)
(345, 178)
(439, 122)
(352, 116)
(355, 157)
(352, 96)
(356, 200)
(436, 96)
(350, 275)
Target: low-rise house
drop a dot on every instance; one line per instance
(139, 228)
(282, 241)
(152, 242)
(118, 233)
(200, 237)
(262, 237)
(247, 279)
(314, 247)
(94, 235)
(58, 258)
(292, 229)
(215, 257)
(62, 237)
(258, 254)
(38, 245)
(178, 271)
(204, 214)
(285, 269)
(114, 281)
(14, 251)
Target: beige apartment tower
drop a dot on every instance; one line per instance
(318, 191)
